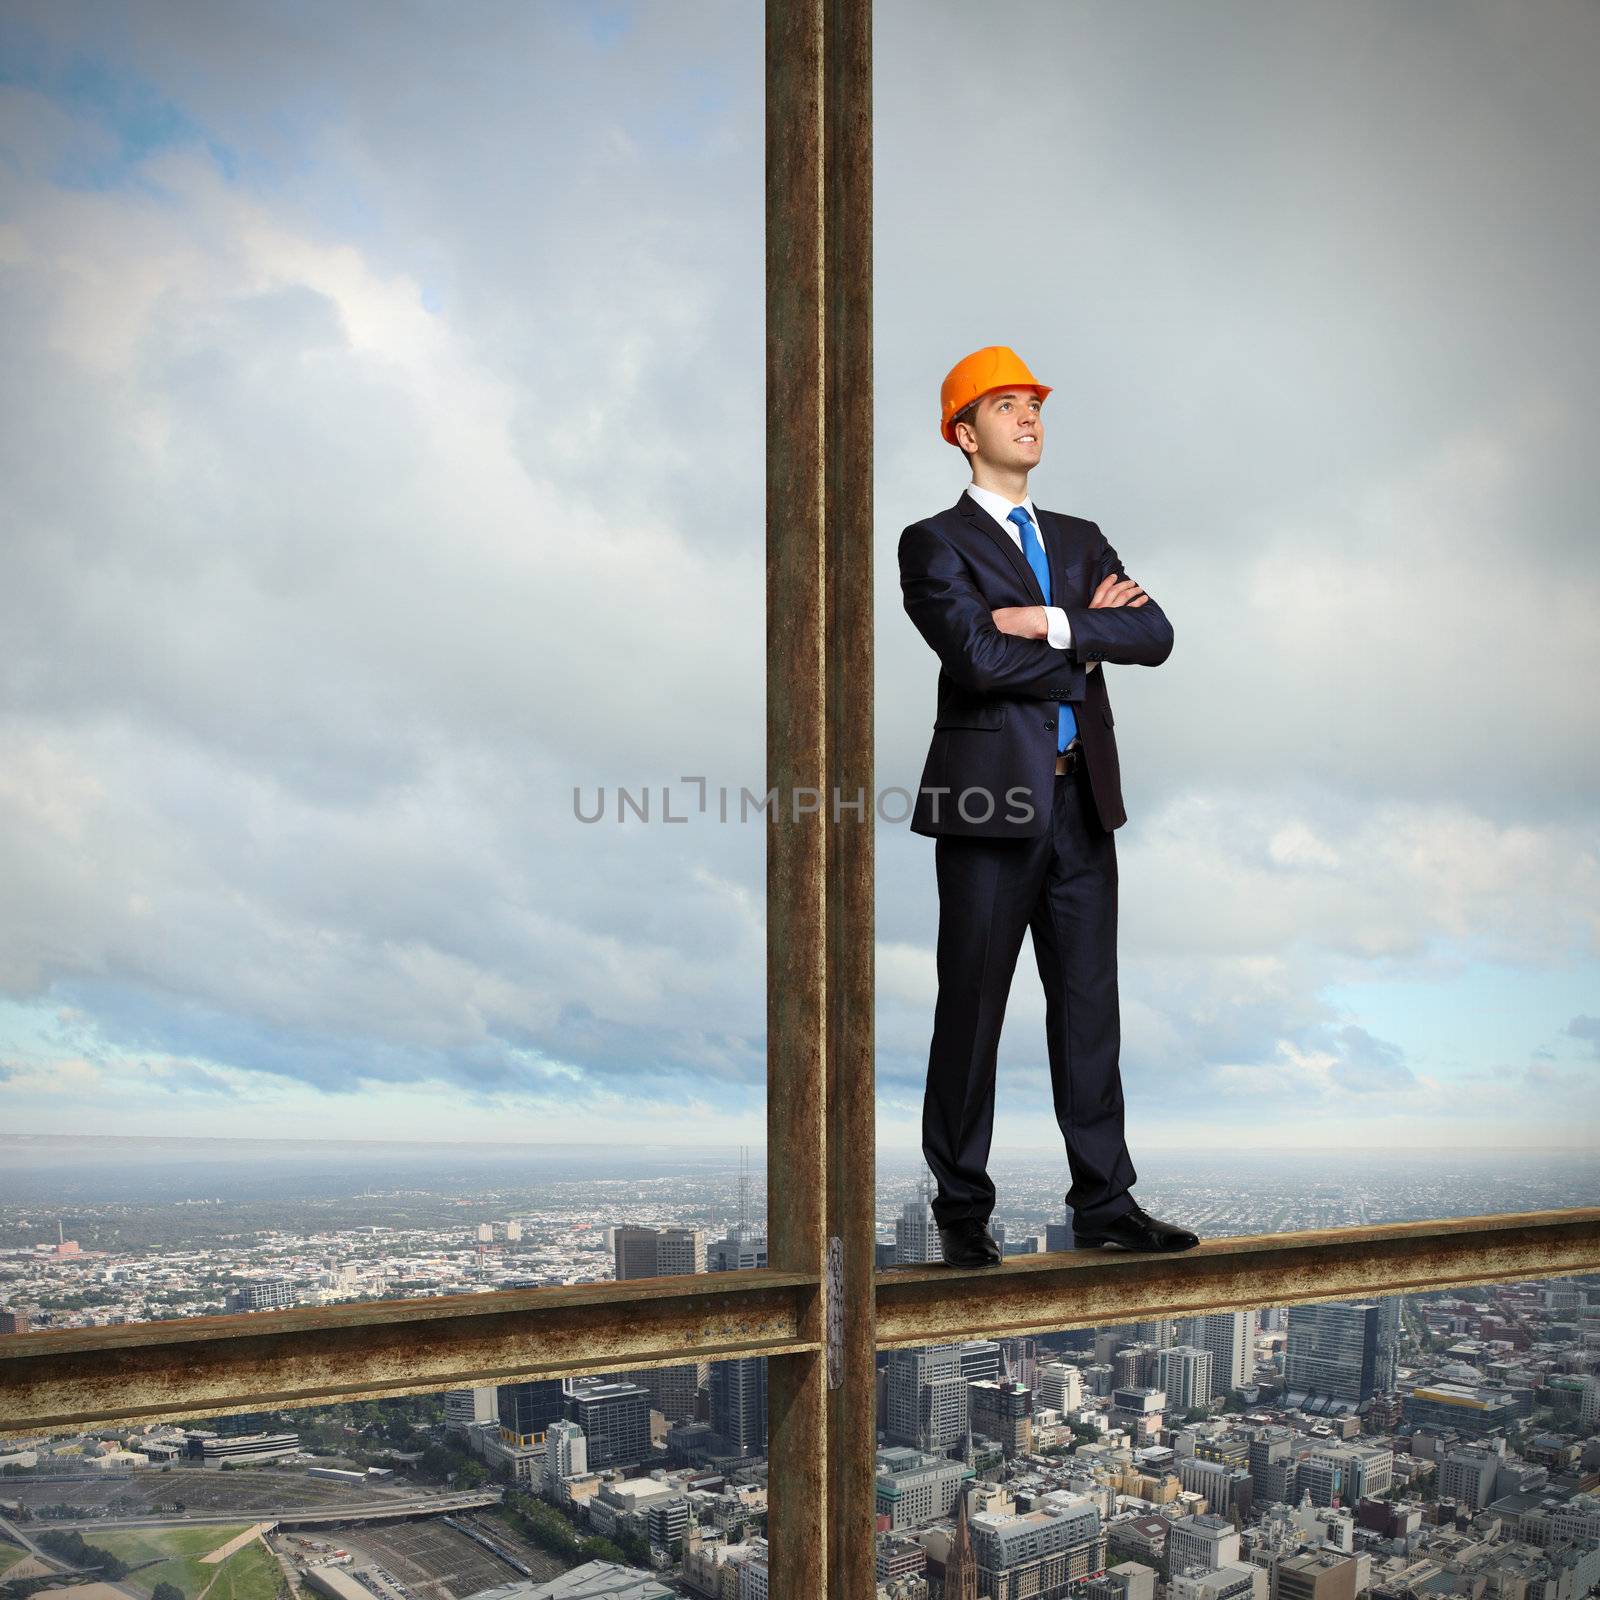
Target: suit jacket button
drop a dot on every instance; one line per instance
(1048, 726)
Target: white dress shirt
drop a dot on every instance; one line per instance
(998, 507)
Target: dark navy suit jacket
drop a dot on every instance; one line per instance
(994, 733)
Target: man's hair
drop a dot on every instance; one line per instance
(967, 414)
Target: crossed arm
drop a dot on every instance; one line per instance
(1005, 650)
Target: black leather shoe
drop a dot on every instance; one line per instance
(1136, 1229)
(967, 1242)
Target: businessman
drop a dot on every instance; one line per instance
(1021, 792)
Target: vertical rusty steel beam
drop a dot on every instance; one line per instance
(820, 1072)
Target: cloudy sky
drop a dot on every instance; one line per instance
(383, 453)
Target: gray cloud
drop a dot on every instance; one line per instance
(318, 602)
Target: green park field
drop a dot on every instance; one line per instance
(173, 1556)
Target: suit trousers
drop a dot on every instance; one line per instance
(1062, 886)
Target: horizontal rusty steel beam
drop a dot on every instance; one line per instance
(923, 1305)
(216, 1366)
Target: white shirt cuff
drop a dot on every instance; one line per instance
(1060, 634)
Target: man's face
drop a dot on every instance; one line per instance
(1010, 429)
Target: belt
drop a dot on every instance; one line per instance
(1070, 759)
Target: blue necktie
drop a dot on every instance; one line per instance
(1066, 718)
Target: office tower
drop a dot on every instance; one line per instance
(1127, 1581)
(1201, 1544)
(463, 1407)
(927, 1397)
(1468, 1472)
(1387, 1367)
(980, 1358)
(738, 1389)
(1227, 1335)
(1060, 1387)
(739, 1252)
(1183, 1371)
(1138, 1412)
(513, 1232)
(1242, 1581)
(1312, 1577)
(1364, 1471)
(615, 1419)
(1002, 1409)
(566, 1451)
(663, 1253)
(1045, 1552)
(1273, 1475)
(912, 1488)
(1330, 1357)
(1020, 1358)
(263, 1294)
(738, 1394)
(916, 1234)
(1224, 1485)
(527, 1410)
(1134, 1366)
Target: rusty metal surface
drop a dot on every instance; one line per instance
(820, 1113)
(851, 1105)
(797, 1155)
(1075, 1289)
(213, 1366)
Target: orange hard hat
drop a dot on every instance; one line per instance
(996, 366)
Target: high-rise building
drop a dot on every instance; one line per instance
(1060, 1387)
(1366, 1471)
(517, 1450)
(738, 1396)
(915, 1487)
(263, 1294)
(1201, 1544)
(1273, 1474)
(1315, 1576)
(926, 1393)
(566, 1451)
(1183, 1371)
(527, 1409)
(1224, 1485)
(1227, 1335)
(1331, 1355)
(615, 1419)
(1002, 1409)
(1386, 1370)
(737, 1390)
(1467, 1473)
(916, 1234)
(1043, 1552)
(463, 1407)
(736, 1253)
(664, 1253)
(1242, 1581)
(1139, 1411)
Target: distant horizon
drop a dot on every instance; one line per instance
(569, 1147)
